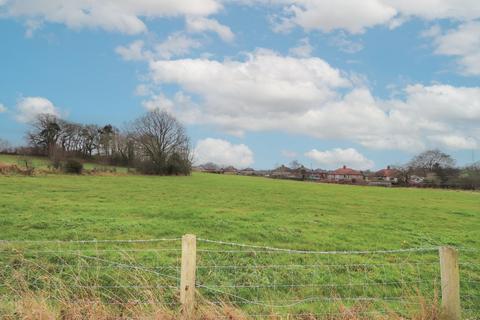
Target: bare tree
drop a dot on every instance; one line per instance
(162, 143)
(431, 160)
(45, 132)
(295, 164)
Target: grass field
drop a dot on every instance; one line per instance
(43, 163)
(278, 213)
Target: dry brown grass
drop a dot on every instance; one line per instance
(37, 306)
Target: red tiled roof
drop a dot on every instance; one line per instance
(347, 171)
(386, 172)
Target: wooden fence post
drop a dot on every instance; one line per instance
(450, 278)
(187, 280)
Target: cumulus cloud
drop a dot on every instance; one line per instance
(303, 50)
(223, 153)
(356, 16)
(350, 15)
(175, 45)
(270, 92)
(335, 158)
(2, 108)
(462, 42)
(342, 42)
(123, 16)
(202, 24)
(455, 141)
(135, 51)
(29, 108)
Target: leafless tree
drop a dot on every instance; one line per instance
(45, 132)
(431, 160)
(162, 141)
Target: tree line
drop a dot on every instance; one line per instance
(155, 143)
(439, 170)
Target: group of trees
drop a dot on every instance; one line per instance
(155, 143)
(439, 170)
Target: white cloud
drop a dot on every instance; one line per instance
(350, 15)
(437, 9)
(123, 16)
(462, 43)
(143, 90)
(158, 102)
(270, 92)
(135, 51)
(356, 16)
(223, 153)
(175, 45)
(342, 41)
(456, 141)
(338, 157)
(303, 50)
(2, 108)
(202, 24)
(30, 107)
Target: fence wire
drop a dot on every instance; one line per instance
(469, 265)
(262, 280)
(259, 281)
(110, 272)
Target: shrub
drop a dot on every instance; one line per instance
(73, 166)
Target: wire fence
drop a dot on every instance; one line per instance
(258, 280)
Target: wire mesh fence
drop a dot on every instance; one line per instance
(286, 282)
(111, 272)
(469, 265)
(258, 281)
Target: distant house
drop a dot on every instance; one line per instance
(281, 172)
(345, 174)
(416, 180)
(247, 172)
(318, 174)
(229, 170)
(387, 174)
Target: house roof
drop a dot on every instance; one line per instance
(388, 172)
(347, 171)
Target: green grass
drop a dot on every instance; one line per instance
(43, 163)
(251, 210)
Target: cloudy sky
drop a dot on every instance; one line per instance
(257, 82)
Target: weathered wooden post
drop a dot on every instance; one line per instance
(187, 280)
(450, 278)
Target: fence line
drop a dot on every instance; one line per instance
(266, 248)
(297, 280)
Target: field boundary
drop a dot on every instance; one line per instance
(198, 267)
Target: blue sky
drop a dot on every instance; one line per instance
(256, 82)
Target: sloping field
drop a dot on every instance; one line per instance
(294, 215)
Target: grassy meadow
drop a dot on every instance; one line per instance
(278, 213)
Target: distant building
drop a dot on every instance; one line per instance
(229, 170)
(247, 172)
(345, 174)
(415, 180)
(318, 175)
(387, 174)
(281, 172)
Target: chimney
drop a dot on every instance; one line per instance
(388, 167)
(344, 167)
